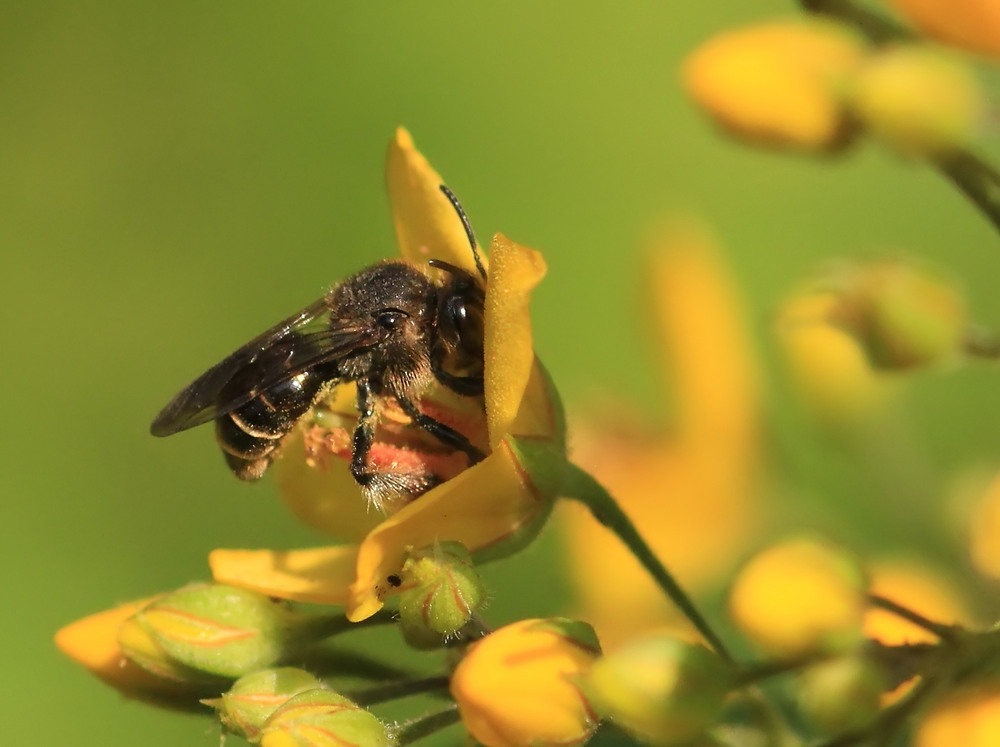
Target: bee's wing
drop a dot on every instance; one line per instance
(306, 339)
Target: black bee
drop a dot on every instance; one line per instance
(390, 329)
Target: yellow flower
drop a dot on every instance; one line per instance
(492, 507)
(690, 493)
(966, 719)
(778, 83)
(93, 642)
(971, 24)
(520, 685)
(800, 595)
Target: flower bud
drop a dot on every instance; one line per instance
(967, 718)
(779, 83)
(223, 630)
(520, 686)
(904, 315)
(841, 694)
(970, 24)
(799, 596)
(322, 718)
(919, 100)
(661, 689)
(830, 370)
(252, 699)
(440, 592)
(94, 643)
(141, 647)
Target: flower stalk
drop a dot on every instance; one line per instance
(580, 486)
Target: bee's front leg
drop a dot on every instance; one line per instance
(443, 433)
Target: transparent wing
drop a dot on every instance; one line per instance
(300, 342)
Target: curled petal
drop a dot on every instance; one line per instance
(510, 356)
(319, 575)
(427, 226)
(482, 507)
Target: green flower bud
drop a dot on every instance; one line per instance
(841, 694)
(661, 689)
(245, 707)
(322, 718)
(225, 630)
(920, 100)
(141, 647)
(441, 590)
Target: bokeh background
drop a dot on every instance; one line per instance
(176, 177)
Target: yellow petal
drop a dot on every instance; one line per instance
(707, 346)
(93, 642)
(481, 507)
(510, 357)
(323, 495)
(319, 575)
(427, 226)
(971, 24)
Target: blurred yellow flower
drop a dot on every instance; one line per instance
(800, 595)
(969, 719)
(917, 587)
(778, 83)
(493, 507)
(970, 24)
(984, 532)
(520, 686)
(830, 373)
(919, 100)
(691, 494)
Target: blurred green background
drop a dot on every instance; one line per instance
(176, 177)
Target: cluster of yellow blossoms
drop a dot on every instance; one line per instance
(877, 649)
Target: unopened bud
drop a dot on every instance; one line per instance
(252, 699)
(140, 645)
(223, 630)
(520, 685)
(778, 83)
(910, 315)
(323, 718)
(441, 590)
(661, 689)
(919, 100)
(799, 596)
(841, 694)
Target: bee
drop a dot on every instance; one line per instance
(390, 329)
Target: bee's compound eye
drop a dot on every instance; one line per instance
(390, 318)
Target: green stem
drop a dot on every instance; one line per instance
(976, 179)
(582, 487)
(396, 690)
(873, 25)
(754, 672)
(944, 632)
(418, 728)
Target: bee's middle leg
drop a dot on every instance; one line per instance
(383, 488)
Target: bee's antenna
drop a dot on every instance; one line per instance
(467, 226)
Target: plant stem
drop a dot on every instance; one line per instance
(873, 25)
(424, 726)
(944, 632)
(582, 487)
(401, 689)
